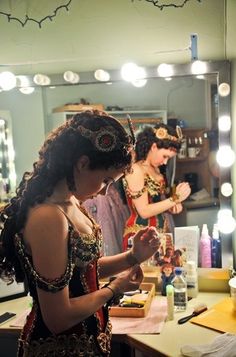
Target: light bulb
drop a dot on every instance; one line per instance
(224, 89)
(41, 80)
(71, 77)
(226, 223)
(225, 156)
(165, 70)
(131, 72)
(101, 75)
(226, 189)
(198, 67)
(7, 80)
(224, 123)
(26, 90)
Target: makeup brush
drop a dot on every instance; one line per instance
(197, 311)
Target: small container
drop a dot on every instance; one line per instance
(191, 277)
(170, 302)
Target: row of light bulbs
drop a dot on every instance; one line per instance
(130, 72)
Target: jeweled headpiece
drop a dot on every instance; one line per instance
(162, 134)
(106, 139)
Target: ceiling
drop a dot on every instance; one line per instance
(107, 33)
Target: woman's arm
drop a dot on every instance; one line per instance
(145, 244)
(145, 209)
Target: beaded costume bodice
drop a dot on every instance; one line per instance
(81, 277)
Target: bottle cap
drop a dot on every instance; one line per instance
(178, 271)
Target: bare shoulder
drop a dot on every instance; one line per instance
(45, 220)
(135, 179)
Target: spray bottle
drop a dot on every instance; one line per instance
(205, 248)
(216, 248)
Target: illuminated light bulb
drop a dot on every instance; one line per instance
(71, 77)
(131, 72)
(139, 83)
(7, 80)
(168, 79)
(226, 189)
(225, 156)
(224, 123)
(224, 89)
(198, 67)
(226, 223)
(101, 75)
(41, 80)
(26, 90)
(22, 81)
(165, 70)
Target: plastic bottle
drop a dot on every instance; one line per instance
(180, 290)
(205, 248)
(191, 277)
(170, 301)
(216, 261)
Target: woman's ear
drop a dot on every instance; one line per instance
(82, 163)
(154, 146)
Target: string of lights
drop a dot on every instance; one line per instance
(162, 6)
(39, 22)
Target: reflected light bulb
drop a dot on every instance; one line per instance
(198, 67)
(26, 90)
(224, 123)
(71, 77)
(101, 75)
(224, 89)
(41, 79)
(7, 80)
(226, 189)
(226, 223)
(225, 156)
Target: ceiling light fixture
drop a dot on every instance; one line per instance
(71, 77)
(101, 75)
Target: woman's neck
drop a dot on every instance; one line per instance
(61, 194)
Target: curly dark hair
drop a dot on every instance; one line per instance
(57, 158)
(147, 137)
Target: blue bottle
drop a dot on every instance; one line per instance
(216, 259)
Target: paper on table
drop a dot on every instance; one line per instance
(187, 238)
(220, 317)
(152, 323)
(19, 321)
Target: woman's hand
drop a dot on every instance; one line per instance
(183, 190)
(176, 209)
(145, 243)
(129, 279)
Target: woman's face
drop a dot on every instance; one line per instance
(160, 157)
(91, 182)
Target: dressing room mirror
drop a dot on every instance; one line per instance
(188, 97)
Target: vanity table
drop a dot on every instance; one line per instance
(167, 343)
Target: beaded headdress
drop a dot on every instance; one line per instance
(162, 134)
(106, 138)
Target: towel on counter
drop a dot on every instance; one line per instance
(222, 346)
(152, 323)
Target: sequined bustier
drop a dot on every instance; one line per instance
(154, 190)
(90, 337)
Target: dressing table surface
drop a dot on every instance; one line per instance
(167, 343)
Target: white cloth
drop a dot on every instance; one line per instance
(222, 346)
